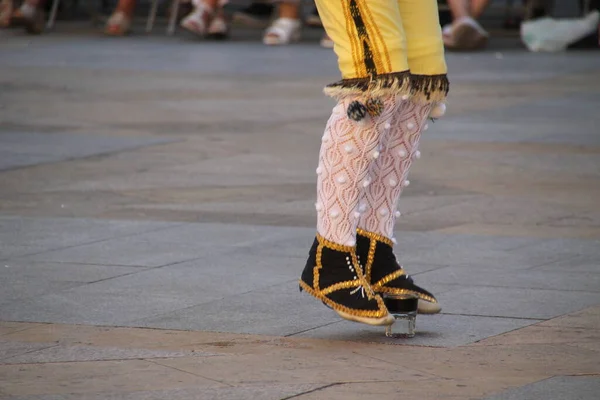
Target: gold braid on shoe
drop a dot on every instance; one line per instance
(334, 276)
(382, 271)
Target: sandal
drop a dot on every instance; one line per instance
(31, 17)
(199, 20)
(6, 12)
(282, 31)
(36, 24)
(218, 29)
(468, 35)
(119, 24)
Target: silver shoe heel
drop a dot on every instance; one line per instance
(404, 312)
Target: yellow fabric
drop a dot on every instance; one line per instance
(376, 37)
(424, 36)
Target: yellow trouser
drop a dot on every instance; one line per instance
(373, 38)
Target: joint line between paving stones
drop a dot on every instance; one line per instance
(18, 330)
(85, 361)
(312, 390)
(545, 264)
(202, 303)
(527, 288)
(96, 264)
(28, 352)
(583, 374)
(89, 157)
(188, 372)
(148, 268)
(399, 365)
(479, 341)
(111, 277)
(96, 241)
(495, 316)
(313, 328)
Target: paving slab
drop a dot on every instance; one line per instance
(77, 378)
(263, 392)
(531, 123)
(55, 353)
(558, 279)
(484, 257)
(8, 251)
(49, 233)
(129, 251)
(9, 350)
(438, 331)
(25, 279)
(277, 309)
(174, 245)
(309, 368)
(19, 149)
(565, 246)
(515, 303)
(555, 388)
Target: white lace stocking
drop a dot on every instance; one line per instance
(390, 170)
(347, 151)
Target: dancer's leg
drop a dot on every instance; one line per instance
(425, 55)
(369, 42)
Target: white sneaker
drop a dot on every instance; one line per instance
(282, 31)
(466, 34)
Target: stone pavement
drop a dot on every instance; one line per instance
(156, 208)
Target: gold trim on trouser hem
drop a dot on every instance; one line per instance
(386, 47)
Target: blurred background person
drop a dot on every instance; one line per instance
(30, 15)
(287, 26)
(465, 33)
(119, 23)
(207, 19)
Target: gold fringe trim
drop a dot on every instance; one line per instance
(429, 88)
(419, 88)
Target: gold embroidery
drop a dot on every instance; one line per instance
(403, 292)
(370, 259)
(317, 267)
(321, 294)
(379, 286)
(388, 278)
(335, 246)
(340, 285)
(363, 38)
(375, 236)
(380, 312)
(375, 36)
(352, 38)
